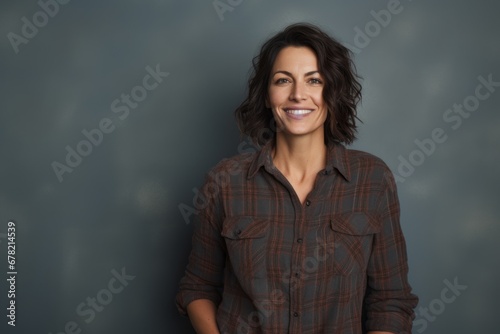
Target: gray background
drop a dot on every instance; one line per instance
(119, 208)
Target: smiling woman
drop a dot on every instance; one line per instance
(341, 90)
(305, 237)
(295, 94)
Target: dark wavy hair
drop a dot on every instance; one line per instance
(341, 92)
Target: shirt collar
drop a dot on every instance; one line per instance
(336, 158)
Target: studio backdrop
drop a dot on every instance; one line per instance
(113, 111)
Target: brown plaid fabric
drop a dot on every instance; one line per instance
(335, 264)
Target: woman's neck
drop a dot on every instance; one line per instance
(299, 157)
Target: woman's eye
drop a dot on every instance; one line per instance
(315, 81)
(282, 81)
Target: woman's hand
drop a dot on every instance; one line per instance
(202, 313)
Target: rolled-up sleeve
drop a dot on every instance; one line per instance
(203, 278)
(389, 302)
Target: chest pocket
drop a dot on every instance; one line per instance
(247, 244)
(352, 239)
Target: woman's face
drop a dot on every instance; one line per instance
(296, 92)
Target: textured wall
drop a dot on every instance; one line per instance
(112, 111)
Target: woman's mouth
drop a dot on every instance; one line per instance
(298, 113)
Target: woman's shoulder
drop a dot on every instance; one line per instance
(236, 164)
(363, 157)
(367, 163)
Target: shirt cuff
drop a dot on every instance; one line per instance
(185, 297)
(393, 322)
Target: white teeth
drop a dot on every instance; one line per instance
(298, 112)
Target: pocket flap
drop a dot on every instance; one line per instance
(355, 223)
(244, 227)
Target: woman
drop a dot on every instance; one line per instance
(302, 236)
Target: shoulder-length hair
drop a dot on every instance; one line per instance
(341, 91)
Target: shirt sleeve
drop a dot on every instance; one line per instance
(203, 278)
(389, 302)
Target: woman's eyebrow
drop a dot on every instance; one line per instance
(290, 74)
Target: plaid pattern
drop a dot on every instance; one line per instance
(335, 264)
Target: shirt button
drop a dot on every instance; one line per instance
(299, 240)
(238, 232)
(308, 202)
(295, 314)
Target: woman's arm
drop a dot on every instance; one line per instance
(389, 302)
(200, 288)
(202, 314)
